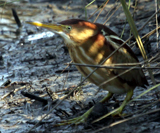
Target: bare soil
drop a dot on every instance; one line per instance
(34, 60)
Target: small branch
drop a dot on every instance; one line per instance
(111, 66)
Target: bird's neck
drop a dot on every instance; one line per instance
(90, 51)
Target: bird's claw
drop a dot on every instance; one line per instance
(75, 121)
(118, 113)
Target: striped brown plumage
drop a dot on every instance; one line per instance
(92, 45)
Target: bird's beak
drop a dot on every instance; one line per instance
(54, 27)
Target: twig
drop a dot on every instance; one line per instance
(148, 20)
(95, 10)
(156, 4)
(32, 96)
(113, 67)
(105, 82)
(16, 18)
(101, 11)
(117, 64)
(13, 91)
(121, 65)
(110, 10)
(6, 83)
(112, 14)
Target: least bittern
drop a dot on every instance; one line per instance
(91, 43)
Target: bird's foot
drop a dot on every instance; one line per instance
(77, 120)
(118, 113)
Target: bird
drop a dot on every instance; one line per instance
(92, 43)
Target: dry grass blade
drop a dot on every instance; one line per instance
(117, 76)
(114, 7)
(148, 20)
(113, 67)
(124, 120)
(143, 108)
(137, 37)
(95, 10)
(147, 35)
(112, 14)
(85, 9)
(123, 65)
(133, 29)
(156, 7)
(148, 90)
(146, 61)
(101, 11)
(13, 91)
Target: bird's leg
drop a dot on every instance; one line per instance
(83, 118)
(126, 100)
(105, 99)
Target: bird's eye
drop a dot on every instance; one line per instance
(69, 27)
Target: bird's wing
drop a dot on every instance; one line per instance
(134, 77)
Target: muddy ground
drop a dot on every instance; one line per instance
(33, 60)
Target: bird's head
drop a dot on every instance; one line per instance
(73, 31)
